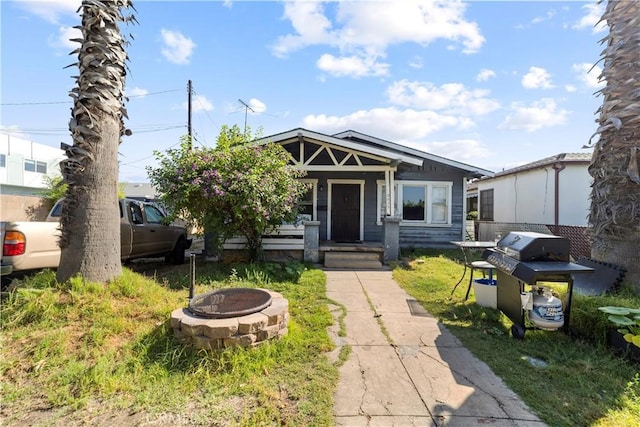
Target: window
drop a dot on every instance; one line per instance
(413, 203)
(41, 167)
(307, 206)
(136, 213)
(418, 202)
(486, 205)
(154, 216)
(34, 166)
(3, 161)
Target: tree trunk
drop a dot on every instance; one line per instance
(93, 231)
(615, 196)
(90, 222)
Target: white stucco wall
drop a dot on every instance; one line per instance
(529, 196)
(18, 150)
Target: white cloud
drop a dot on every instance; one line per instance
(176, 47)
(63, 39)
(257, 106)
(462, 150)
(538, 115)
(137, 92)
(485, 74)
(199, 103)
(570, 88)
(15, 132)
(449, 97)
(547, 17)
(310, 24)
(50, 10)
(353, 66)
(588, 75)
(594, 12)
(537, 78)
(373, 26)
(388, 123)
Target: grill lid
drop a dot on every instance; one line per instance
(529, 246)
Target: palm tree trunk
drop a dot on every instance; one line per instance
(90, 223)
(615, 196)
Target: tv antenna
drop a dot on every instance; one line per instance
(246, 109)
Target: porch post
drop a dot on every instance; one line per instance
(311, 241)
(391, 239)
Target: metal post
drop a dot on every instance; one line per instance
(192, 275)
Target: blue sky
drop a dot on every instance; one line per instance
(494, 84)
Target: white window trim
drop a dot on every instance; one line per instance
(428, 214)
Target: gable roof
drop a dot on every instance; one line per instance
(298, 133)
(358, 141)
(579, 158)
(473, 171)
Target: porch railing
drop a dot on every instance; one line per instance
(286, 238)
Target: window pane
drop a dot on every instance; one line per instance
(41, 167)
(486, 205)
(305, 211)
(3, 161)
(30, 165)
(439, 204)
(383, 202)
(153, 215)
(413, 203)
(136, 214)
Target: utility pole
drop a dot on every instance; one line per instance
(189, 90)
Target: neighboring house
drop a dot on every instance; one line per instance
(23, 167)
(360, 182)
(550, 195)
(554, 190)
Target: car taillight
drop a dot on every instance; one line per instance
(14, 243)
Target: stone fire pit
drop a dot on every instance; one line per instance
(243, 330)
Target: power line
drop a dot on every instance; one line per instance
(63, 131)
(70, 101)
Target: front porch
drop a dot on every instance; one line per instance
(302, 242)
(362, 255)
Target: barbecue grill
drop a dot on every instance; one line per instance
(526, 258)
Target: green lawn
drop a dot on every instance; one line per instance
(82, 353)
(104, 355)
(583, 383)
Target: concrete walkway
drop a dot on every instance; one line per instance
(406, 369)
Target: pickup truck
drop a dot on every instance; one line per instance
(144, 233)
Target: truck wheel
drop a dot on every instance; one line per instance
(177, 256)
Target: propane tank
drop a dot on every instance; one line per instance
(547, 311)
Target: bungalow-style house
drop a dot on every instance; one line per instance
(375, 193)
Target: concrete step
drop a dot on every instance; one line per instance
(352, 260)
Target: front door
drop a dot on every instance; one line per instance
(345, 212)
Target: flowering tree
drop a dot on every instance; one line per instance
(237, 188)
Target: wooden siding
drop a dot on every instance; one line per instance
(434, 236)
(410, 236)
(427, 236)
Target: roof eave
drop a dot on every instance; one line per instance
(300, 132)
(472, 171)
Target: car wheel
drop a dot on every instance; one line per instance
(177, 256)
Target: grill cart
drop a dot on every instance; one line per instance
(522, 259)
